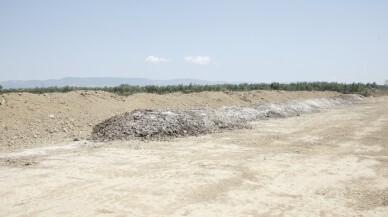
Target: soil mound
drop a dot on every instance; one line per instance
(32, 120)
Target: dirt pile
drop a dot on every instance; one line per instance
(32, 120)
(163, 124)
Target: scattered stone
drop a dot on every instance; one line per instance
(51, 116)
(2, 102)
(20, 162)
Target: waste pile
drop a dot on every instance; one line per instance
(164, 124)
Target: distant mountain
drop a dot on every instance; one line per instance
(99, 82)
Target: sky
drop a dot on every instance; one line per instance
(216, 40)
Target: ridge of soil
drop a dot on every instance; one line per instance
(32, 120)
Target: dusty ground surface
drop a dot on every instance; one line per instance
(30, 120)
(332, 163)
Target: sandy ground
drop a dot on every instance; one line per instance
(333, 163)
(31, 120)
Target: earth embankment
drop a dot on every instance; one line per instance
(30, 120)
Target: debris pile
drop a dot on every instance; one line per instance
(164, 124)
(161, 124)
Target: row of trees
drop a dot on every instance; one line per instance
(126, 89)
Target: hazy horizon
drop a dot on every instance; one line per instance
(231, 41)
(241, 81)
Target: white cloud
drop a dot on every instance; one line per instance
(200, 60)
(154, 59)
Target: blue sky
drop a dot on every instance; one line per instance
(240, 40)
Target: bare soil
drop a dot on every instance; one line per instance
(332, 163)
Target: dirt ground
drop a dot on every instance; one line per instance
(332, 163)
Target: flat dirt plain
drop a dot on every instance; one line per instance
(331, 163)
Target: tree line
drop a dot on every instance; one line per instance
(125, 89)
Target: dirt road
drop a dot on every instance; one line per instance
(333, 163)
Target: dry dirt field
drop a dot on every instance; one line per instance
(332, 163)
